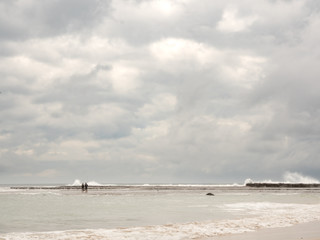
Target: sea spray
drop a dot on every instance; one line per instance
(78, 182)
(288, 177)
(294, 177)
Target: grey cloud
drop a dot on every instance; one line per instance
(32, 19)
(126, 92)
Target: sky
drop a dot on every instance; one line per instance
(159, 91)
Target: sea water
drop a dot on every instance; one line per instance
(149, 213)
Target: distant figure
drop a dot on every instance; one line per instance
(86, 187)
(82, 187)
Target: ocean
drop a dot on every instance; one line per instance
(151, 211)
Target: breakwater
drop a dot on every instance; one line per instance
(284, 185)
(130, 187)
(248, 186)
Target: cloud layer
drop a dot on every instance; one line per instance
(158, 91)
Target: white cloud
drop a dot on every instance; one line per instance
(48, 173)
(24, 152)
(158, 10)
(160, 104)
(124, 79)
(178, 53)
(71, 150)
(25, 71)
(232, 22)
(153, 131)
(143, 89)
(60, 57)
(4, 136)
(245, 70)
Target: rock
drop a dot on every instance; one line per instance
(210, 194)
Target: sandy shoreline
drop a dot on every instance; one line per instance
(306, 231)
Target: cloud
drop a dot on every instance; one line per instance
(231, 22)
(183, 51)
(124, 79)
(47, 173)
(142, 10)
(25, 19)
(160, 105)
(158, 91)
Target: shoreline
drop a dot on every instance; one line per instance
(305, 231)
(301, 231)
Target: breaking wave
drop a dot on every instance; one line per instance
(294, 177)
(78, 182)
(288, 177)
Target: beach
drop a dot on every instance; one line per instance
(159, 119)
(168, 212)
(305, 231)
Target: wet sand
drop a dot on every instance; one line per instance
(305, 231)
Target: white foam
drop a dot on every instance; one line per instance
(265, 215)
(191, 185)
(5, 189)
(248, 180)
(288, 177)
(76, 182)
(94, 183)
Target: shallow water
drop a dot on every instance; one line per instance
(151, 214)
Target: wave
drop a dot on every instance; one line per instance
(188, 185)
(288, 177)
(270, 215)
(94, 183)
(294, 177)
(78, 182)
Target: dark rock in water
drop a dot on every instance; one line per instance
(210, 194)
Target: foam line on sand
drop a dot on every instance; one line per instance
(305, 231)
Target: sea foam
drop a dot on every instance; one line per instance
(264, 215)
(78, 182)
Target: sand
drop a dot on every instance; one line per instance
(305, 231)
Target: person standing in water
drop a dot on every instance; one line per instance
(86, 187)
(82, 187)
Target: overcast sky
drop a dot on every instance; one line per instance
(159, 91)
